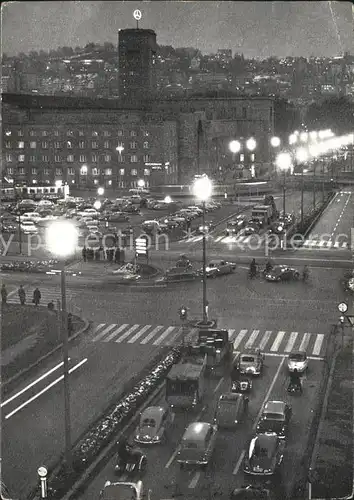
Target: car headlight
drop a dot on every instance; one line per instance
(156, 439)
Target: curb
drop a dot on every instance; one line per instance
(18, 375)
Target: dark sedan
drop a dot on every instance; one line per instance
(264, 455)
(275, 417)
(282, 273)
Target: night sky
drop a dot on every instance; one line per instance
(256, 29)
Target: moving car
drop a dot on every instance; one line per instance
(124, 491)
(218, 267)
(230, 410)
(250, 362)
(249, 230)
(208, 226)
(275, 418)
(181, 274)
(28, 227)
(264, 455)
(7, 227)
(154, 423)
(235, 225)
(298, 360)
(117, 217)
(282, 273)
(33, 216)
(250, 492)
(198, 443)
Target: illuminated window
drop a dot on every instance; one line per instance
(45, 158)
(95, 181)
(58, 171)
(242, 157)
(44, 145)
(252, 157)
(8, 133)
(21, 158)
(145, 133)
(132, 133)
(21, 145)
(8, 144)
(106, 144)
(146, 145)
(46, 171)
(69, 144)
(83, 170)
(94, 171)
(71, 171)
(121, 159)
(32, 133)
(94, 145)
(34, 171)
(82, 144)
(10, 170)
(120, 133)
(57, 158)
(146, 171)
(70, 133)
(134, 171)
(9, 158)
(133, 145)
(70, 158)
(106, 133)
(44, 133)
(82, 158)
(108, 171)
(110, 182)
(33, 144)
(21, 170)
(146, 158)
(121, 171)
(20, 133)
(56, 133)
(133, 159)
(57, 145)
(107, 158)
(32, 158)
(94, 134)
(94, 158)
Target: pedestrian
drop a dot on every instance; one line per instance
(70, 324)
(3, 294)
(117, 256)
(122, 255)
(84, 254)
(22, 295)
(36, 297)
(101, 253)
(50, 305)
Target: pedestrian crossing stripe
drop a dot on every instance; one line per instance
(316, 243)
(159, 335)
(224, 239)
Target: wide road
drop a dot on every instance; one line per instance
(128, 330)
(224, 472)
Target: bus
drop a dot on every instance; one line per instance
(36, 193)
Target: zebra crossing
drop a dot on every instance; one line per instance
(225, 239)
(48, 294)
(270, 341)
(325, 244)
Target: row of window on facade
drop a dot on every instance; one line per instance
(70, 145)
(71, 133)
(82, 158)
(83, 171)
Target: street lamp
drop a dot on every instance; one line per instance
(202, 189)
(303, 136)
(275, 142)
(61, 241)
(251, 144)
(284, 163)
(235, 147)
(302, 156)
(100, 191)
(292, 139)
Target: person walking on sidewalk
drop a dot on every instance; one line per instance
(3, 294)
(84, 254)
(22, 295)
(36, 296)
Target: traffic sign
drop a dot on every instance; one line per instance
(343, 307)
(141, 246)
(137, 14)
(42, 471)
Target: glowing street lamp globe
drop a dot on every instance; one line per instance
(97, 205)
(100, 191)
(302, 155)
(283, 161)
(303, 136)
(235, 146)
(141, 183)
(251, 144)
(202, 188)
(62, 238)
(292, 139)
(168, 199)
(275, 142)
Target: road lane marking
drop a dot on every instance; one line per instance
(218, 386)
(277, 355)
(194, 480)
(32, 384)
(278, 340)
(139, 334)
(115, 332)
(305, 342)
(265, 339)
(103, 333)
(163, 335)
(239, 461)
(292, 339)
(231, 334)
(52, 384)
(173, 456)
(318, 344)
(152, 334)
(177, 333)
(127, 333)
(252, 339)
(239, 339)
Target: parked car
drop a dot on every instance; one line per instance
(89, 212)
(282, 273)
(264, 455)
(118, 217)
(198, 443)
(275, 418)
(8, 227)
(28, 227)
(154, 424)
(298, 360)
(219, 267)
(250, 492)
(124, 490)
(32, 216)
(181, 274)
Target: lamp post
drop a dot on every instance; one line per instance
(120, 148)
(302, 157)
(275, 143)
(202, 189)
(283, 162)
(141, 184)
(62, 240)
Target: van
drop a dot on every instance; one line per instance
(230, 410)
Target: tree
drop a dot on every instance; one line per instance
(286, 118)
(335, 113)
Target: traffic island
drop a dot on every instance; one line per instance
(29, 335)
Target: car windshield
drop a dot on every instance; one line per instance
(247, 359)
(298, 356)
(119, 492)
(274, 416)
(148, 422)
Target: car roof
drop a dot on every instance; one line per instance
(231, 396)
(196, 430)
(268, 439)
(153, 412)
(274, 407)
(303, 353)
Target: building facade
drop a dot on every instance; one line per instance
(137, 58)
(45, 140)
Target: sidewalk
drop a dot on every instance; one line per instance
(333, 460)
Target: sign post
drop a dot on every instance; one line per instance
(343, 308)
(183, 313)
(42, 473)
